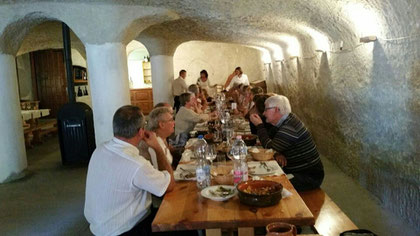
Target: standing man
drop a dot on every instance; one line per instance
(296, 150)
(120, 182)
(179, 87)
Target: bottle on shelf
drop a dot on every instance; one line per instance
(240, 167)
(202, 171)
(79, 92)
(86, 92)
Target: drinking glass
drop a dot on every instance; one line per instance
(211, 153)
(217, 138)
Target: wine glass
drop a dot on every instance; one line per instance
(211, 153)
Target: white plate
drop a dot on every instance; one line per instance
(212, 192)
(257, 168)
(185, 172)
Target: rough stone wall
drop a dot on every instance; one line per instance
(363, 109)
(219, 59)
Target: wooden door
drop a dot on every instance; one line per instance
(142, 98)
(50, 76)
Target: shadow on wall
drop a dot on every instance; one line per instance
(414, 107)
(325, 112)
(388, 161)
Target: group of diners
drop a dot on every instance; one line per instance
(139, 161)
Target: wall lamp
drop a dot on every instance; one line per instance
(368, 39)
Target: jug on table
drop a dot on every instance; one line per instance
(281, 229)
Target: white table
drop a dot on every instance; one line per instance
(33, 114)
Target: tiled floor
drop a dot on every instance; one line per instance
(49, 200)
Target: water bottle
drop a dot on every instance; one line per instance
(202, 172)
(240, 167)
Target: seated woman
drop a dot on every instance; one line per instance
(258, 109)
(244, 100)
(162, 123)
(187, 118)
(201, 102)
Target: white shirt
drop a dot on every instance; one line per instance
(206, 85)
(165, 149)
(238, 80)
(118, 187)
(179, 86)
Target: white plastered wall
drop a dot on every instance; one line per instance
(12, 147)
(219, 59)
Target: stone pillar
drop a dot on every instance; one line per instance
(162, 77)
(108, 80)
(12, 144)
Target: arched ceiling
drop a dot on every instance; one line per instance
(293, 26)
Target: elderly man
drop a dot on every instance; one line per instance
(162, 123)
(179, 87)
(296, 150)
(120, 181)
(186, 118)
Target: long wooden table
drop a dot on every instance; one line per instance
(185, 209)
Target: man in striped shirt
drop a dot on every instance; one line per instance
(295, 149)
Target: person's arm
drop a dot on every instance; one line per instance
(151, 140)
(280, 142)
(229, 79)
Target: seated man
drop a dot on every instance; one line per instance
(187, 118)
(120, 181)
(162, 123)
(296, 150)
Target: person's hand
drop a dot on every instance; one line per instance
(255, 119)
(213, 115)
(280, 159)
(150, 139)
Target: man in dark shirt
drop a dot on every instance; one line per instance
(295, 149)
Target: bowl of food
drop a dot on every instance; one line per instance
(222, 174)
(250, 139)
(261, 154)
(259, 193)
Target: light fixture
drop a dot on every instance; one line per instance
(368, 39)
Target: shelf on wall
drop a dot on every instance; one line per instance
(80, 81)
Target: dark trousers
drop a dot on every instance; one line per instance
(144, 228)
(177, 104)
(309, 179)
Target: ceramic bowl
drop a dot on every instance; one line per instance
(259, 193)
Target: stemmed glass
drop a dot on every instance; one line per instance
(211, 153)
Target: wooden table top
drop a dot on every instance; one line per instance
(185, 209)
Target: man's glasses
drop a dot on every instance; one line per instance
(268, 108)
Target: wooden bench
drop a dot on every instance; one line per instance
(44, 127)
(329, 219)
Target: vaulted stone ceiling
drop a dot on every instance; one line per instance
(270, 24)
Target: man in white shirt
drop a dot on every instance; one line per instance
(179, 87)
(237, 77)
(120, 182)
